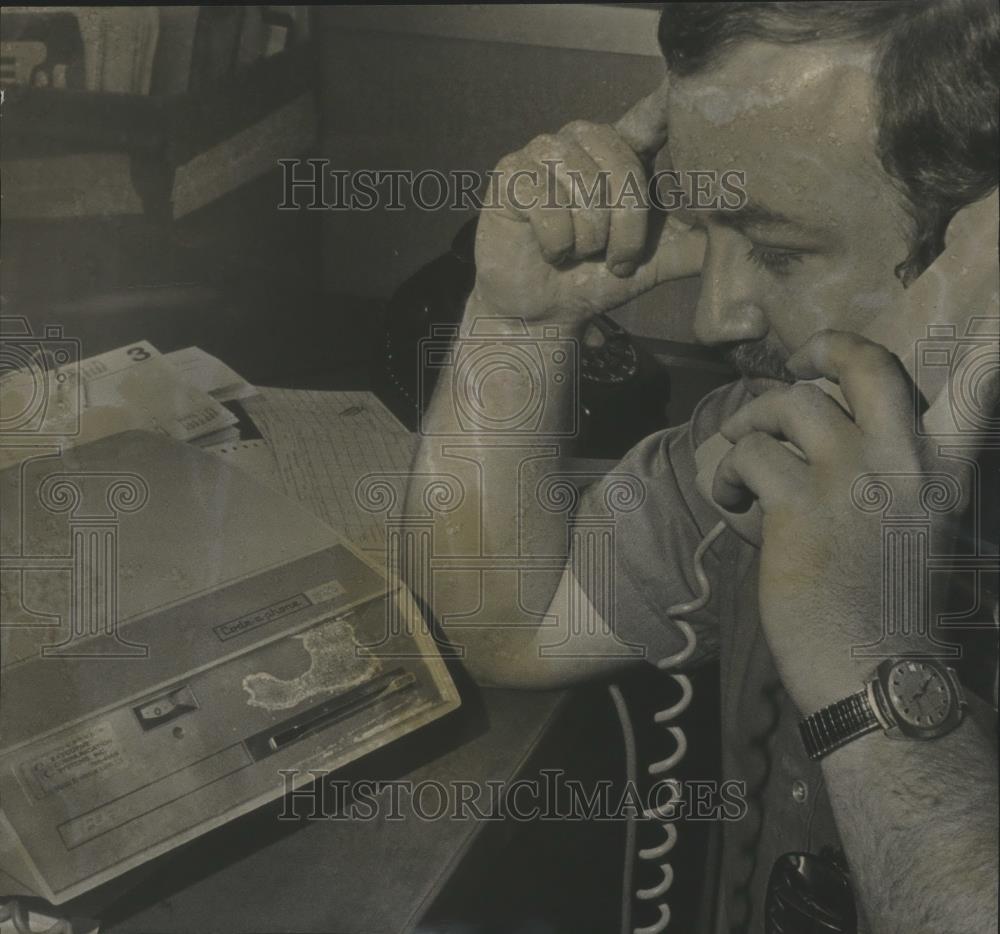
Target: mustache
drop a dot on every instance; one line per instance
(755, 359)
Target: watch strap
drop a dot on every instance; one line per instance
(839, 723)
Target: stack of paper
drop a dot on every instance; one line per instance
(324, 443)
(316, 446)
(253, 456)
(179, 395)
(210, 374)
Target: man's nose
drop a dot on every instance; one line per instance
(727, 312)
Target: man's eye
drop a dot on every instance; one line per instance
(774, 260)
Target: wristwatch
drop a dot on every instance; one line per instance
(908, 698)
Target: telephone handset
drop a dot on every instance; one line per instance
(955, 297)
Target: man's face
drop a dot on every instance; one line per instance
(824, 228)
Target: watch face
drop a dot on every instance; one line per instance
(920, 694)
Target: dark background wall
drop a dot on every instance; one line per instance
(439, 87)
(400, 87)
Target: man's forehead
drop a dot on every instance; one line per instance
(795, 87)
(799, 120)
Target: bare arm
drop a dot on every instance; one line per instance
(542, 272)
(919, 822)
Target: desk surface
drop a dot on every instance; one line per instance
(375, 876)
(257, 874)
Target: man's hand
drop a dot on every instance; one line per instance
(917, 820)
(821, 583)
(539, 261)
(821, 574)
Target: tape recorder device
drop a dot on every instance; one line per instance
(174, 636)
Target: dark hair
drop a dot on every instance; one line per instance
(936, 87)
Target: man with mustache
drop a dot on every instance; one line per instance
(864, 130)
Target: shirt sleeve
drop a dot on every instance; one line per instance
(652, 563)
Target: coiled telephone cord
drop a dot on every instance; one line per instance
(665, 718)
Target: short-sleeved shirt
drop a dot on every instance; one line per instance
(788, 806)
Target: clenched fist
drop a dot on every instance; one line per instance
(547, 253)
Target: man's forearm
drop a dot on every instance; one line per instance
(919, 825)
(464, 439)
(545, 260)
